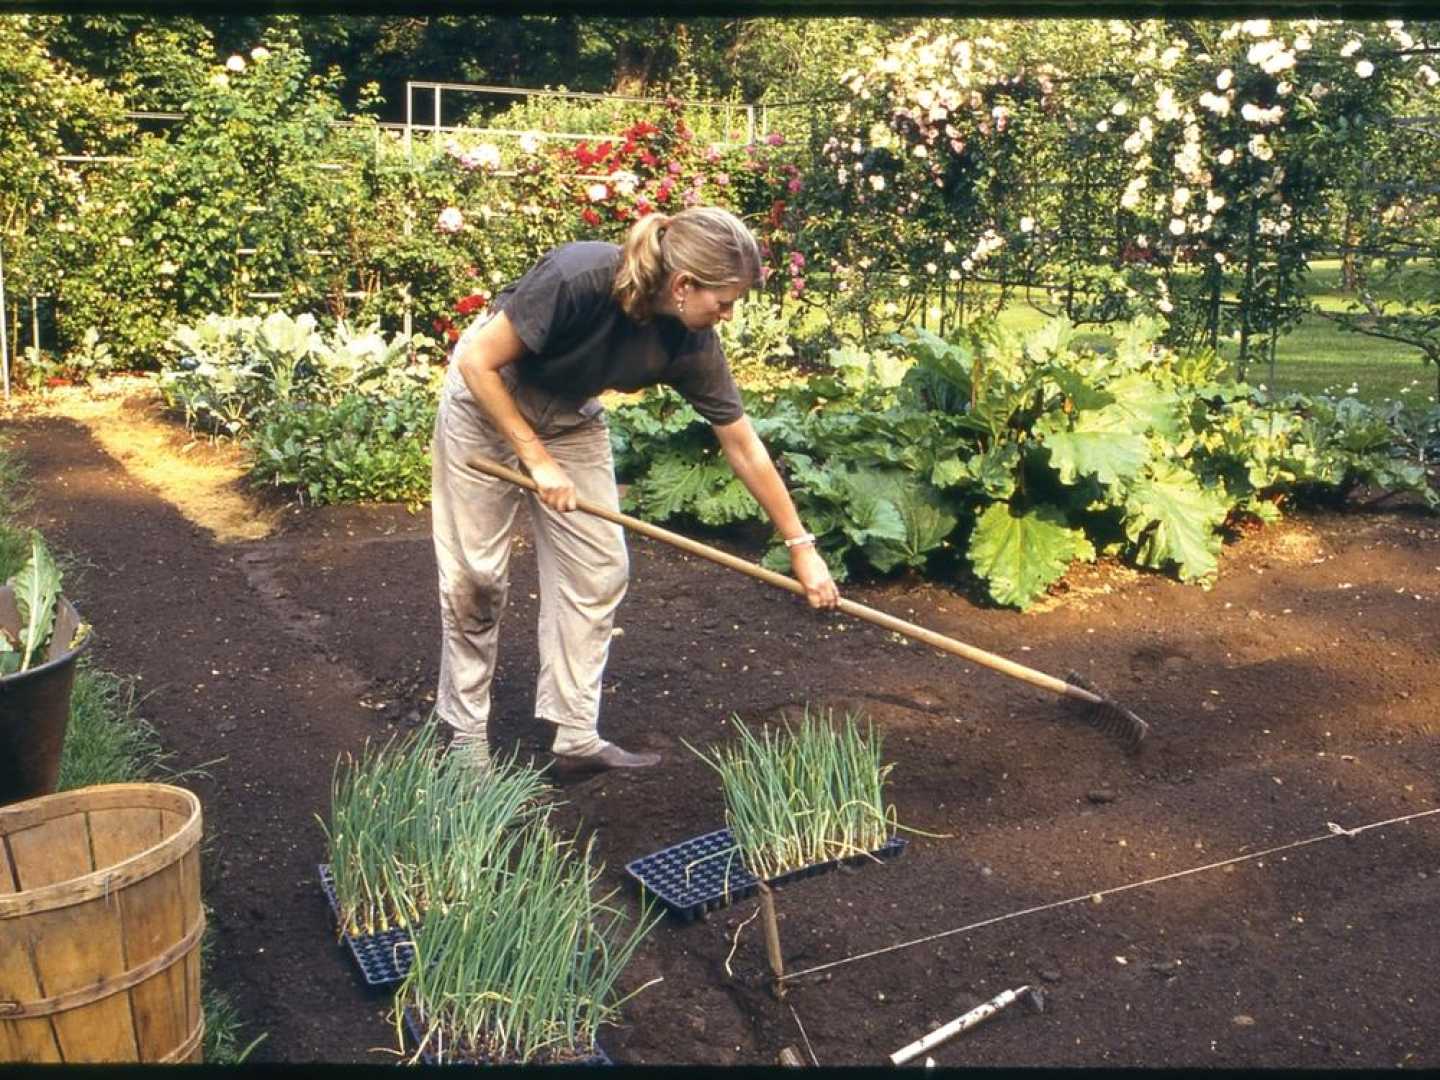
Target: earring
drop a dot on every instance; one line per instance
(681, 304)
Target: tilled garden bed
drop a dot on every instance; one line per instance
(1297, 693)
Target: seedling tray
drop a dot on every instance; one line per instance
(415, 1026)
(384, 959)
(705, 873)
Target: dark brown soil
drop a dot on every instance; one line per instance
(1300, 691)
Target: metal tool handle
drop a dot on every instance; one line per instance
(781, 581)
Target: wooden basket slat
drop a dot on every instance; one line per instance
(23, 1040)
(52, 852)
(7, 875)
(190, 893)
(124, 833)
(154, 918)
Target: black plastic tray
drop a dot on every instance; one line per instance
(705, 873)
(384, 959)
(414, 1026)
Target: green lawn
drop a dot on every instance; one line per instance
(1317, 356)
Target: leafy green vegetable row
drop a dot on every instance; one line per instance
(1006, 458)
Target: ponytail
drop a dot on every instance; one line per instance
(711, 245)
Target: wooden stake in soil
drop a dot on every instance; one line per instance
(772, 941)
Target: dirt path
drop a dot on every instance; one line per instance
(1300, 691)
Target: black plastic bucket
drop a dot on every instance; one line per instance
(35, 707)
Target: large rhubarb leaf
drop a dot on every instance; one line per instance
(1150, 406)
(1102, 443)
(870, 509)
(1020, 556)
(706, 488)
(907, 521)
(37, 587)
(993, 471)
(1171, 519)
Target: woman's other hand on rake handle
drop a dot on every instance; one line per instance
(554, 486)
(811, 572)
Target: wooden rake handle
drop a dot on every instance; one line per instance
(789, 584)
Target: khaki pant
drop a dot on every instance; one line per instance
(583, 564)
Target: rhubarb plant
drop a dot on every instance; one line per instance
(1004, 457)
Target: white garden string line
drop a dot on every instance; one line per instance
(808, 1048)
(1333, 831)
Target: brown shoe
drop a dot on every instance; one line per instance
(610, 756)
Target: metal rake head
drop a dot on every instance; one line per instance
(1109, 716)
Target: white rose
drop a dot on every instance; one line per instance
(597, 192)
(1226, 156)
(235, 64)
(1224, 79)
(1350, 48)
(259, 54)
(1027, 224)
(1364, 69)
(877, 182)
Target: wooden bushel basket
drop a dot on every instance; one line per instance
(100, 924)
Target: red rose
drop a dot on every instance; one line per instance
(590, 217)
(468, 305)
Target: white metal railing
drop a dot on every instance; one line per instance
(437, 126)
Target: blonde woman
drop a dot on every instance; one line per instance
(521, 389)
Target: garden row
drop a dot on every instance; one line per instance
(991, 458)
(452, 884)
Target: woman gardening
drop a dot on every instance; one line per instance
(521, 387)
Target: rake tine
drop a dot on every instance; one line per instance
(1107, 715)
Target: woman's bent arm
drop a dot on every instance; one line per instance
(481, 355)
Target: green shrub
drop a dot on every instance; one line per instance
(359, 449)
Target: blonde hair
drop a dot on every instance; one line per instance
(712, 246)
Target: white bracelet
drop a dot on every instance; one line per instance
(797, 541)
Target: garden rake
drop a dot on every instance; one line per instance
(1092, 706)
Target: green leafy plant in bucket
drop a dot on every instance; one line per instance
(809, 793)
(36, 587)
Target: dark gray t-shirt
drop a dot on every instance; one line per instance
(580, 342)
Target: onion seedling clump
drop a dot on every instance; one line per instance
(807, 794)
(410, 828)
(525, 968)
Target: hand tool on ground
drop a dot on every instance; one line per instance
(980, 1013)
(1092, 706)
